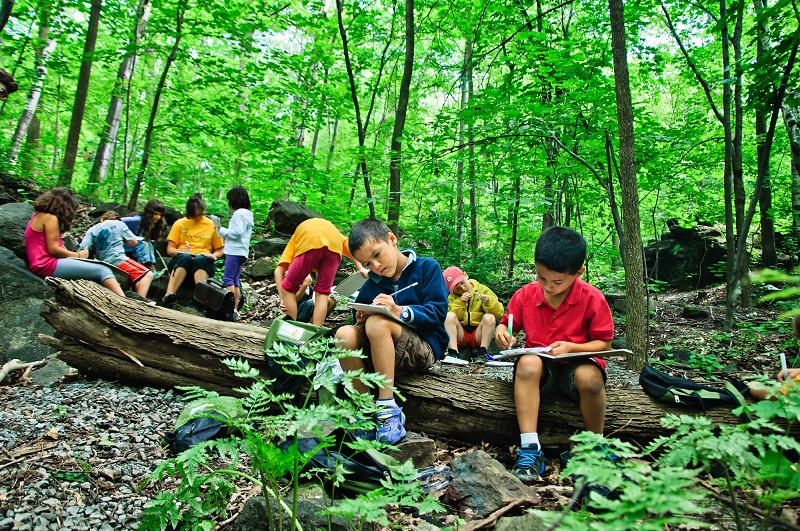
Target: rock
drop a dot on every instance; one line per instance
(533, 519)
(687, 258)
(253, 516)
(481, 485)
(22, 323)
(691, 311)
(262, 268)
(102, 208)
(55, 371)
(16, 280)
(285, 216)
(271, 247)
(419, 449)
(14, 218)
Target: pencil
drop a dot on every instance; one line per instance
(405, 288)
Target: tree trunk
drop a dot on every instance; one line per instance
(466, 72)
(108, 139)
(148, 136)
(35, 94)
(103, 335)
(5, 12)
(81, 92)
(393, 217)
(791, 118)
(635, 330)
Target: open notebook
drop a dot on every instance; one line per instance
(544, 352)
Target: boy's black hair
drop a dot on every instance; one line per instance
(195, 206)
(238, 198)
(561, 249)
(365, 231)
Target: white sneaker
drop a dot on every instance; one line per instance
(236, 315)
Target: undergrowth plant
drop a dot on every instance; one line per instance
(206, 474)
(754, 463)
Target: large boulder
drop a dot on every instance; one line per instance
(14, 218)
(687, 258)
(102, 208)
(271, 247)
(285, 216)
(21, 295)
(16, 280)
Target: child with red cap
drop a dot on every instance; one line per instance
(472, 314)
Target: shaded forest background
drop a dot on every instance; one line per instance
(469, 126)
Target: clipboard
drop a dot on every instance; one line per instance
(543, 352)
(372, 309)
(349, 286)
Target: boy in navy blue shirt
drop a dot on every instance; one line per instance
(414, 345)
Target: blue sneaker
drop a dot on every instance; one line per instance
(391, 425)
(530, 464)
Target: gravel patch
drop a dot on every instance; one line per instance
(74, 456)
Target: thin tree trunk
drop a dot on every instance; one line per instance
(148, 136)
(81, 93)
(791, 117)
(741, 244)
(769, 255)
(393, 217)
(5, 12)
(635, 330)
(514, 218)
(329, 161)
(108, 139)
(462, 126)
(29, 169)
(35, 94)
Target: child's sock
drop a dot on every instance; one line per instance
(387, 403)
(526, 439)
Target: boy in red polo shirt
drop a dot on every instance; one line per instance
(562, 312)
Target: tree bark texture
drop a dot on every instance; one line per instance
(108, 139)
(634, 268)
(81, 93)
(35, 93)
(791, 118)
(106, 336)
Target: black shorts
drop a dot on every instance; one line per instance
(192, 263)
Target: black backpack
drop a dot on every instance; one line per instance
(690, 394)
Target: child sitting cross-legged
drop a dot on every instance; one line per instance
(413, 290)
(562, 312)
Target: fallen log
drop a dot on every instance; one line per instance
(106, 336)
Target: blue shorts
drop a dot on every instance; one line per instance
(192, 263)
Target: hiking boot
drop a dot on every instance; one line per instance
(481, 356)
(530, 464)
(391, 425)
(169, 299)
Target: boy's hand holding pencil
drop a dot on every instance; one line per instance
(504, 337)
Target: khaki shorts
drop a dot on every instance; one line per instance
(411, 353)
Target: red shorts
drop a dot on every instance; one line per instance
(470, 338)
(134, 269)
(323, 260)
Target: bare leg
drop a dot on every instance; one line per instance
(320, 309)
(589, 382)
(383, 333)
(143, 285)
(485, 331)
(290, 302)
(200, 275)
(526, 392)
(350, 338)
(454, 330)
(176, 279)
(113, 285)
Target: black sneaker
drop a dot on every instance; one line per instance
(169, 299)
(530, 464)
(480, 355)
(588, 486)
(452, 352)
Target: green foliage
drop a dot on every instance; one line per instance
(206, 474)
(650, 498)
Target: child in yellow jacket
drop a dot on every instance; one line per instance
(472, 314)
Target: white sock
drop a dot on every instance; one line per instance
(529, 438)
(387, 402)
